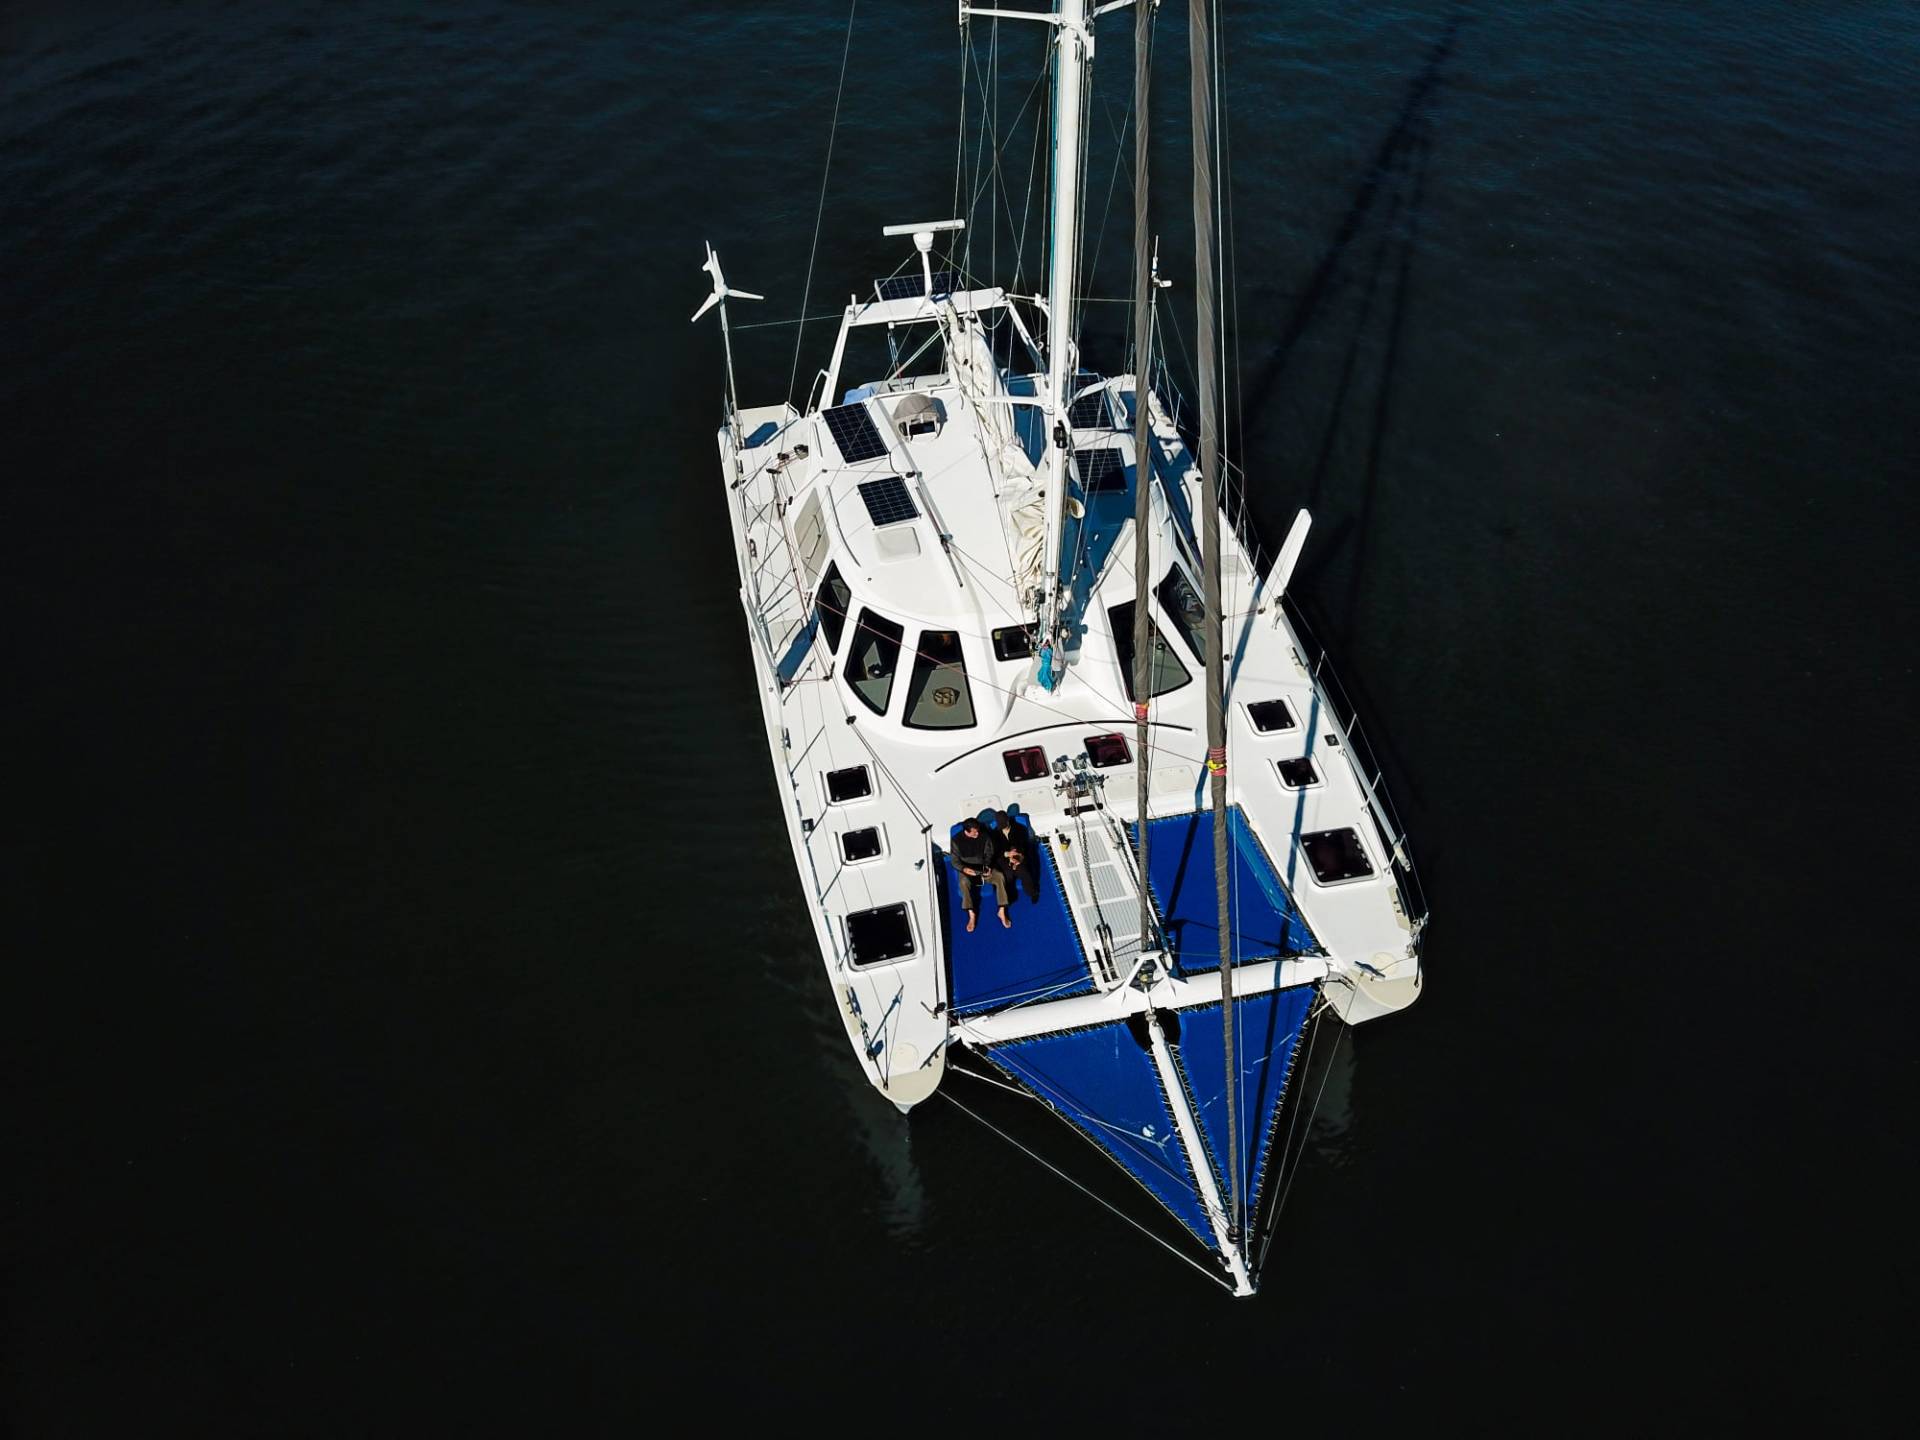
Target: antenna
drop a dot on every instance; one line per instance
(923, 242)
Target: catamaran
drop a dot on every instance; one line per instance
(983, 580)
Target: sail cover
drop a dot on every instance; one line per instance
(1103, 1082)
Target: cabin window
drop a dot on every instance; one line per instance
(938, 697)
(883, 933)
(1270, 715)
(874, 658)
(1164, 670)
(1013, 642)
(854, 783)
(858, 845)
(831, 607)
(1107, 750)
(1297, 774)
(1027, 764)
(1336, 855)
(1186, 609)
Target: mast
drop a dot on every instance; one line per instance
(1200, 42)
(1144, 293)
(1074, 49)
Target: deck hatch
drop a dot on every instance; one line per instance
(883, 933)
(853, 783)
(1297, 774)
(1270, 715)
(854, 432)
(1336, 855)
(1027, 764)
(858, 845)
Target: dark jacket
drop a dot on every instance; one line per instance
(975, 854)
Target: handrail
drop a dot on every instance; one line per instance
(1334, 696)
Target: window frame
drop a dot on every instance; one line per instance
(832, 576)
(897, 640)
(1123, 651)
(925, 670)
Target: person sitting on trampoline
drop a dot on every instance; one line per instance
(977, 858)
(1016, 858)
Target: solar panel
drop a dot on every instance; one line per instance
(855, 433)
(887, 500)
(1089, 412)
(1100, 470)
(905, 287)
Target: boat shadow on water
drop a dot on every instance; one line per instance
(1360, 289)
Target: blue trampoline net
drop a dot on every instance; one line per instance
(1180, 875)
(1104, 1085)
(1266, 1035)
(1038, 959)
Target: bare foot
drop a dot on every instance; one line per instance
(971, 917)
(1003, 918)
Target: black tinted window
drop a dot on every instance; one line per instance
(1013, 642)
(1165, 672)
(1186, 609)
(875, 657)
(830, 604)
(938, 697)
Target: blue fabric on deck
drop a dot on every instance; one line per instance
(1105, 1085)
(1266, 1034)
(1039, 958)
(1180, 870)
(796, 654)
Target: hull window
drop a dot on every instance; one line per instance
(1107, 750)
(875, 657)
(938, 696)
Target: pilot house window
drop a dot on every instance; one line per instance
(938, 697)
(1164, 670)
(874, 658)
(1185, 608)
(831, 606)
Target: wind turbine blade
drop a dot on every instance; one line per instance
(706, 305)
(743, 295)
(1290, 552)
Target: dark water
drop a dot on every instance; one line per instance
(412, 1023)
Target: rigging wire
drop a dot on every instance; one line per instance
(820, 210)
(1048, 1164)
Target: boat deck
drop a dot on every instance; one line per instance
(1044, 955)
